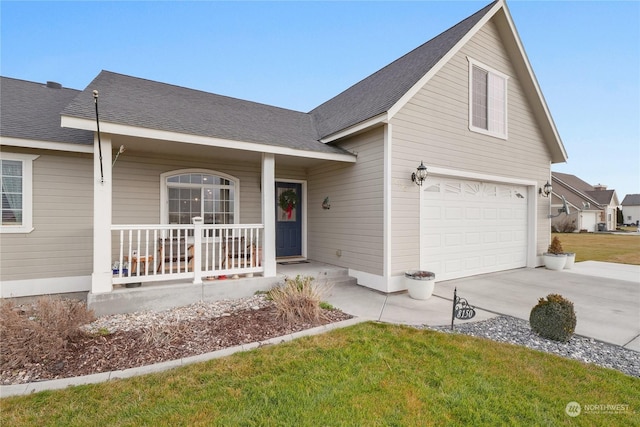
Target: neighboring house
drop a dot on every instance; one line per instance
(593, 208)
(631, 209)
(332, 185)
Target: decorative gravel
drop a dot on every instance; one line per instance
(517, 331)
(197, 311)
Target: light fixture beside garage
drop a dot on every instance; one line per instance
(546, 190)
(420, 174)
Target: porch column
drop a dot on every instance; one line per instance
(269, 214)
(102, 274)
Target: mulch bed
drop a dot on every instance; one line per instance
(89, 354)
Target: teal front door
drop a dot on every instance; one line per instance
(288, 219)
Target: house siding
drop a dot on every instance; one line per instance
(60, 244)
(136, 186)
(434, 127)
(353, 226)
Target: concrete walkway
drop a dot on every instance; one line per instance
(606, 297)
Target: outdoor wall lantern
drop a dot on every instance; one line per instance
(546, 190)
(420, 174)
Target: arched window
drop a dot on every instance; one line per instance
(210, 195)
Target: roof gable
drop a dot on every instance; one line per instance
(379, 92)
(574, 188)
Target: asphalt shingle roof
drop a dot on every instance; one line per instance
(377, 93)
(154, 105)
(144, 103)
(31, 110)
(631, 200)
(602, 197)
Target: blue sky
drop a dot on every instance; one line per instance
(586, 56)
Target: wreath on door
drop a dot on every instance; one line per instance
(288, 201)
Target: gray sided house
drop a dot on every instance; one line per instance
(593, 208)
(209, 187)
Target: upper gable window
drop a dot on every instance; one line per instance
(487, 100)
(17, 192)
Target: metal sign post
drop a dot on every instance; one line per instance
(461, 308)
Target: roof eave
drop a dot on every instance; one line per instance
(134, 131)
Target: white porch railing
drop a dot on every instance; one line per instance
(150, 253)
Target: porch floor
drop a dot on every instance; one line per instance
(156, 296)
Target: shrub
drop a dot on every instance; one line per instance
(297, 300)
(37, 333)
(553, 318)
(555, 247)
(567, 226)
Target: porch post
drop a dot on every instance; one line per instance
(102, 187)
(269, 214)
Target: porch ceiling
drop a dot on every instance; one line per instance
(162, 148)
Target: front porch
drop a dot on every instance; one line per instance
(162, 295)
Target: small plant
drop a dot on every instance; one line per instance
(326, 306)
(103, 332)
(555, 247)
(553, 318)
(297, 300)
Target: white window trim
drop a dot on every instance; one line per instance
(490, 70)
(164, 191)
(27, 193)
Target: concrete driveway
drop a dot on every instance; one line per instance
(606, 297)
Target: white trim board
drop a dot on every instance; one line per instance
(118, 129)
(45, 145)
(54, 285)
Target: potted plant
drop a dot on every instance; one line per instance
(571, 259)
(420, 283)
(555, 258)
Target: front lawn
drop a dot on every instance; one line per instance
(623, 249)
(369, 374)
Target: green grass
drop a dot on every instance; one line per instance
(370, 374)
(623, 249)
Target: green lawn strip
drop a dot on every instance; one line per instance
(369, 374)
(621, 249)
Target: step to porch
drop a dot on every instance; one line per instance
(166, 295)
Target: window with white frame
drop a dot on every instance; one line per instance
(487, 100)
(17, 192)
(209, 195)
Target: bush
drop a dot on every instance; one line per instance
(553, 318)
(38, 332)
(566, 226)
(298, 300)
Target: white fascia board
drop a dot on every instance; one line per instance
(444, 60)
(433, 170)
(379, 119)
(139, 132)
(45, 145)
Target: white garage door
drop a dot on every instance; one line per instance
(472, 227)
(589, 221)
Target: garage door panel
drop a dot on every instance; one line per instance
(472, 227)
(472, 238)
(473, 213)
